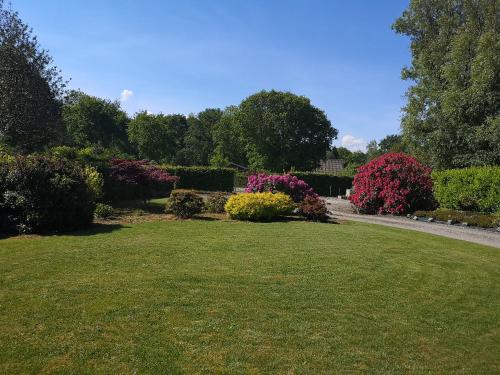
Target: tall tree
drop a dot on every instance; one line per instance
(198, 142)
(372, 150)
(284, 131)
(30, 87)
(392, 143)
(157, 137)
(229, 145)
(452, 115)
(92, 121)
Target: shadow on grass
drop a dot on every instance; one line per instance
(95, 228)
(149, 208)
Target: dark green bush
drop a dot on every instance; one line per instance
(185, 203)
(471, 189)
(103, 211)
(325, 184)
(203, 178)
(313, 208)
(215, 202)
(41, 194)
(471, 218)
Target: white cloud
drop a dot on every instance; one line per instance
(352, 143)
(125, 95)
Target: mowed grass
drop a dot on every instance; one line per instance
(235, 297)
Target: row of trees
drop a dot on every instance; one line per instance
(451, 118)
(269, 130)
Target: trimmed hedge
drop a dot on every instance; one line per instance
(203, 178)
(326, 184)
(468, 189)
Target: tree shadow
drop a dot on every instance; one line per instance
(148, 208)
(96, 228)
(93, 229)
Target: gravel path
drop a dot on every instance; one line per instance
(341, 209)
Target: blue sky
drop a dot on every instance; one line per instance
(183, 56)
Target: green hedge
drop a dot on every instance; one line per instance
(472, 189)
(326, 184)
(203, 178)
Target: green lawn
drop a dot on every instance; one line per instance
(234, 297)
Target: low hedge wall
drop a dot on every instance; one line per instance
(203, 178)
(468, 189)
(325, 184)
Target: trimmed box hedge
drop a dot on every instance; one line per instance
(468, 189)
(326, 184)
(203, 178)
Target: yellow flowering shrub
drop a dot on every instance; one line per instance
(259, 206)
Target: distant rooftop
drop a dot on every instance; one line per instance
(331, 166)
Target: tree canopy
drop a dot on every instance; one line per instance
(283, 131)
(30, 88)
(157, 137)
(198, 142)
(92, 121)
(451, 118)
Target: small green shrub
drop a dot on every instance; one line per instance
(259, 206)
(313, 208)
(103, 211)
(185, 203)
(471, 218)
(469, 189)
(215, 202)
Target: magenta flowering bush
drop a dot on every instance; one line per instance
(297, 189)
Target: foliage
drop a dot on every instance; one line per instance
(39, 194)
(185, 203)
(91, 121)
(282, 131)
(352, 160)
(297, 189)
(228, 141)
(216, 201)
(392, 184)
(30, 87)
(144, 178)
(392, 144)
(198, 142)
(326, 184)
(203, 178)
(95, 181)
(474, 189)
(259, 206)
(452, 118)
(103, 211)
(157, 137)
(313, 208)
(471, 218)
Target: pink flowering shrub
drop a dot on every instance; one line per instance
(392, 184)
(286, 183)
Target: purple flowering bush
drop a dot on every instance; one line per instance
(297, 189)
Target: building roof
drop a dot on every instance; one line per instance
(331, 166)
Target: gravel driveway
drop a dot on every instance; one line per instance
(340, 208)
